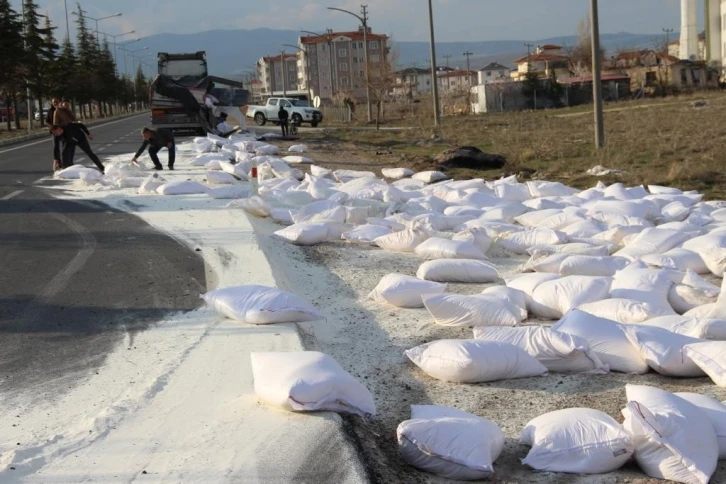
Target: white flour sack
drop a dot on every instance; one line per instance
(715, 411)
(308, 381)
(396, 173)
(663, 350)
(673, 438)
(404, 291)
(520, 242)
(470, 361)
(514, 296)
(253, 205)
(260, 305)
(471, 311)
(186, 187)
(478, 237)
(624, 311)
(646, 285)
(606, 339)
(220, 178)
(438, 248)
(559, 352)
(553, 299)
(309, 233)
(701, 328)
(584, 265)
(365, 234)
(430, 176)
(403, 241)
(458, 270)
(450, 443)
(710, 356)
(652, 241)
(576, 441)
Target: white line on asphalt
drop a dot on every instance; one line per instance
(61, 279)
(49, 138)
(11, 195)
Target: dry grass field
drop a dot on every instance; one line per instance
(665, 141)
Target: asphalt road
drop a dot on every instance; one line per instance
(76, 277)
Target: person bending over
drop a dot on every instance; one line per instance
(155, 140)
(72, 135)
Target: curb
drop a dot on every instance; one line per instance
(44, 134)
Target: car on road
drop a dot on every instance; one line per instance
(299, 111)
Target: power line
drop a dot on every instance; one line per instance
(447, 57)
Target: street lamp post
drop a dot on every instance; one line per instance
(434, 81)
(115, 57)
(118, 14)
(307, 70)
(364, 21)
(133, 67)
(123, 48)
(328, 35)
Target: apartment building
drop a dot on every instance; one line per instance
(270, 70)
(334, 62)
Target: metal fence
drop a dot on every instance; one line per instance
(337, 114)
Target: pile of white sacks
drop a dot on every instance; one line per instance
(625, 273)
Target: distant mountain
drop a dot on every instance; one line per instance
(232, 52)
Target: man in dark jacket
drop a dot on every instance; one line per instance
(56, 140)
(72, 135)
(156, 140)
(284, 118)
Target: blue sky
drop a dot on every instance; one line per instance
(456, 20)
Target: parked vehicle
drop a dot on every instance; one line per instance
(178, 93)
(300, 111)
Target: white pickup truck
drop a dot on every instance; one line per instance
(298, 110)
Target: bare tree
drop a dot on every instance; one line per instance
(381, 80)
(580, 55)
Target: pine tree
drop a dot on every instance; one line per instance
(38, 54)
(50, 60)
(141, 86)
(11, 55)
(86, 74)
(106, 73)
(64, 73)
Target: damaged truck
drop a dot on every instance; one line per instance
(185, 98)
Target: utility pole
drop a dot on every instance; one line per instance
(364, 11)
(668, 33)
(596, 76)
(468, 66)
(446, 58)
(284, 77)
(434, 79)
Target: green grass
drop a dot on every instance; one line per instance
(656, 141)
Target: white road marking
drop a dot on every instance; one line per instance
(49, 138)
(11, 195)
